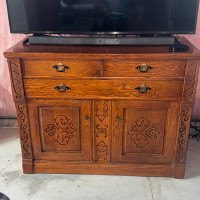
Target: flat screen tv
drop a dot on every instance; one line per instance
(103, 16)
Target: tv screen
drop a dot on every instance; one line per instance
(103, 16)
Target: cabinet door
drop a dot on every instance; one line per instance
(60, 129)
(144, 131)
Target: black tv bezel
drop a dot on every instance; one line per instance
(108, 33)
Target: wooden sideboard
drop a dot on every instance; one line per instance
(122, 110)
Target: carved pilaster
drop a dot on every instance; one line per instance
(16, 80)
(23, 125)
(25, 139)
(190, 81)
(22, 114)
(102, 128)
(183, 132)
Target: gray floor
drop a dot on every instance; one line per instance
(18, 186)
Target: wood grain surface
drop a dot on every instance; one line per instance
(60, 130)
(77, 68)
(44, 88)
(160, 68)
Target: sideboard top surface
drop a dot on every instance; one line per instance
(29, 51)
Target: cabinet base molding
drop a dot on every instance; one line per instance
(27, 165)
(132, 169)
(179, 171)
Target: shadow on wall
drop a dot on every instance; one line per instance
(6, 102)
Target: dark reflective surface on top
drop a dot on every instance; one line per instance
(92, 16)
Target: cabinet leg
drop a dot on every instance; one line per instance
(27, 165)
(179, 171)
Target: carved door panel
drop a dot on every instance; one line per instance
(144, 132)
(61, 130)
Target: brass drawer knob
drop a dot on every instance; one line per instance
(144, 68)
(143, 89)
(62, 88)
(60, 67)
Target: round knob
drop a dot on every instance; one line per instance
(117, 119)
(87, 117)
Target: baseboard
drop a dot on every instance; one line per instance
(195, 129)
(8, 123)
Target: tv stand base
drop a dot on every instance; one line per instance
(117, 110)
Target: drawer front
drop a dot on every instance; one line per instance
(125, 68)
(137, 89)
(61, 68)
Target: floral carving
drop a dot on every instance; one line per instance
(16, 81)
(141, 124)
(141, 133)
(190, 82)
(101, 110)
(182, 132)
(62, 129)
(24, 131)
(102, 150)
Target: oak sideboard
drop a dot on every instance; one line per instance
(121, 110)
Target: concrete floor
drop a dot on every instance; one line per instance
(18, 186)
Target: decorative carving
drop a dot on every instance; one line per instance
(24, 131)
(190, 81)
(63, 129)
(141, 133)
(101, 130)
(101, 110)
(141, 124)
(102, 150)
(182, 132)
(16, 81)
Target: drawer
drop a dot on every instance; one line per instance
(172, 68)
(61, 68)
(46, 88)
